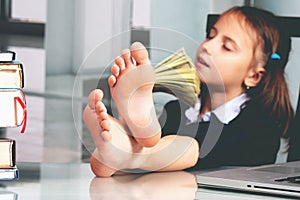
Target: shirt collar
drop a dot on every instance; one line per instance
(225, 113)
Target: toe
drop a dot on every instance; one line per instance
(103, 116)
(119, 61)
(105, 125)
(112, 80)
(100, 108)
(98, 95)
(127, 58)
(115, 70)
(139, 53)
(95, 96)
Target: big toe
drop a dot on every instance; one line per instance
(95, 96)
(139, 53)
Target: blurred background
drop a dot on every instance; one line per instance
(66, 47)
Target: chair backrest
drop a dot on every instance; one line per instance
(294, 134)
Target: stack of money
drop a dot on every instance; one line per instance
(177, 75)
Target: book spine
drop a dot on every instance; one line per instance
(11, 75)
(7, 154)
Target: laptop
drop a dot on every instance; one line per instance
(275, 179)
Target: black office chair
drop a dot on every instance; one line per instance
(294, 134)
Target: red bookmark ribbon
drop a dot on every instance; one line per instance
(19, 100)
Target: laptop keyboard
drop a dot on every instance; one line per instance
(291, 179)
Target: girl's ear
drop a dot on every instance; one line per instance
(254, 76)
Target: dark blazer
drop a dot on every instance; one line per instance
(252, 138)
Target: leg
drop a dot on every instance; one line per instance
(131, 87)
(116, 150)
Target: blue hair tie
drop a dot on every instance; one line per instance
(275, 56)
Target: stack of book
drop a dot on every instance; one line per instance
(13, 111)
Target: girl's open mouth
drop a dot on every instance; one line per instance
(202, 61)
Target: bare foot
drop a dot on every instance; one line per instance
(131, 85)
(114, 147)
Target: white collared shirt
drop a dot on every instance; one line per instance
(225, 113)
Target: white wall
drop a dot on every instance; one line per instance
(101, 34)
(218, 7)
(59, 36)
(141, 12)
(79, 30)
(176, 24)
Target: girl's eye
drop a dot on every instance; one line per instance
(226, 48)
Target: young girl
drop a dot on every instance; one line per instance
(243, 110)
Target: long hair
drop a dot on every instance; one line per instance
(272, 91)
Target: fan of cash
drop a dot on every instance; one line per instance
(177, 75)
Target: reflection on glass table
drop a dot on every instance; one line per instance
(168, 185)
(76, 181)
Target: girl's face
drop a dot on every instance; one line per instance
(224, 59)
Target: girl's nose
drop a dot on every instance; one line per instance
(207, 46)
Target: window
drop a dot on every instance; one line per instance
(25, 11)
(23, 17)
